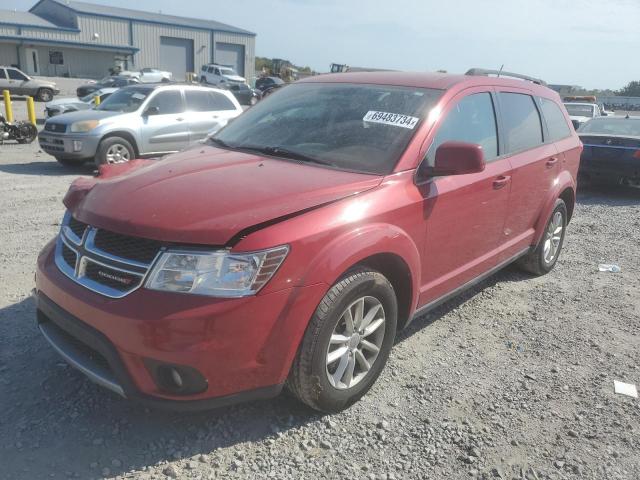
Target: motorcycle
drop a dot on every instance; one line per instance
(22, 132)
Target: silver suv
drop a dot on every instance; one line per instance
(138, 121)
(19, 83)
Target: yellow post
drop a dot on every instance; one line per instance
(96, 100)
(31, 110)
(7, 105)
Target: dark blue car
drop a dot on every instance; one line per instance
(611, 152)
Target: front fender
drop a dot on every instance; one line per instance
(352, 247)
(563, 181)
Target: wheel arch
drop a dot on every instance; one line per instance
(564, 189)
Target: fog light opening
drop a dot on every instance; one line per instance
(177, 379)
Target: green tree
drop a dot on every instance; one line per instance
(631, 90)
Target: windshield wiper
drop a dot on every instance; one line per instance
(284, 153)
(219, 142)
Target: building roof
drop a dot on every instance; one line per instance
(139, 15)
(25, 19)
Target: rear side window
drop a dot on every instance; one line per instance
(203, 101)
(2, 73)
(472, 120)
(15, 75)
(521, 120)
(556, 123)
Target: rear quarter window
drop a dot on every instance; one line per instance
(521, 121)
(556, 122)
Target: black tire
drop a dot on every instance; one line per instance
(165, 80)
(308, 379)
(537, 261)
(109, 143)
(70, 162)
(44, 95)
(28, 133)
(203, 80)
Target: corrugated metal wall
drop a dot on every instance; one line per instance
(78, 62)
(7, 30)
(111, 31)
(8, 54)
(146, 37)
(249, 43)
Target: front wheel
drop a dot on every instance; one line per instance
(114, 150)
(347, 342)
(543, 258)
(27, 132)
(45, 95)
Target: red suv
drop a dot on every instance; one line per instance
(290, 249)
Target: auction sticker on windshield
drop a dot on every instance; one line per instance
(395, 119)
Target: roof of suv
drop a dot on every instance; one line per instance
(442, 81)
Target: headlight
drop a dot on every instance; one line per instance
(84, 126)
(217, 274)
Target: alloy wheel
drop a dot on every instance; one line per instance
(355, 342)
(117, 153)
(553, 237)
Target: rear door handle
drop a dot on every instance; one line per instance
(551, 162)
(179, 119)
(501, 181)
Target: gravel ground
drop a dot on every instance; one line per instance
(512, 380)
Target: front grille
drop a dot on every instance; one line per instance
(51, 148)
(132, 248)
(55, 127)
(112, 278)
(105, 262)
(77, 227)
(69, 256)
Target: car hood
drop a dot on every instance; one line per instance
(72, 117)
(64, 101)
(208, 195)
(235, 78)
(579, 118)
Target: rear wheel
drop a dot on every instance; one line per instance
(28, 132)
(114, 150)
(45, 95)
(347, 342)
(543, 258)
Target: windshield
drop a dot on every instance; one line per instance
(125, 100)
(89, 98)
(579, 110)
(612, 126)
(363, 128)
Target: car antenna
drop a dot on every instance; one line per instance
(500, 71)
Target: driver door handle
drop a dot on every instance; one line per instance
(501, 181)
(179, 119)
(552, 161)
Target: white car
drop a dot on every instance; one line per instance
(149, 75)
(214, 74)
(582, 112)
(74, 104)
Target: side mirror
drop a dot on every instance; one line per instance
(458, 158)
(151, 111)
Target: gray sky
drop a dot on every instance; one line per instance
(593, 43)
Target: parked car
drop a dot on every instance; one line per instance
(582, 112)
(19, 83)
(611, 154)
(149, 75)
(214, 74)
(137, 121)
(73, 104)
(311, 229)
(244, 93)
(268, 85)
(106, 82)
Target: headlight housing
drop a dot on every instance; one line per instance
(84, 126)
(217, 273)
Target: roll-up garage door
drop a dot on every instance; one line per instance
(231, 55)
(176, 56)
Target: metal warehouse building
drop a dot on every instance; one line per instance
(78, 39)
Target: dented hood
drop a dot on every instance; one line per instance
(206, 195)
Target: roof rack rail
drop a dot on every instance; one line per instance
(502, 73)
